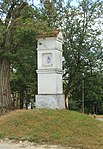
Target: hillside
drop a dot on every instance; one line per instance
(62, 127)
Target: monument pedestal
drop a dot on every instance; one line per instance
(50, 86)
(50, 101)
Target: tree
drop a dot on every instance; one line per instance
(11, 11)
(23, 74)
(82, 46)
(82, 43)
(52, 13)
(17, 18)
(94, 94)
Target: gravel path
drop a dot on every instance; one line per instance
(101, 119)
(7, 144)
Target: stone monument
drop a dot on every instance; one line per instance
(49, 53)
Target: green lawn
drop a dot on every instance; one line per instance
(63, 127)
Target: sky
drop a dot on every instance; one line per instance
(37, 2)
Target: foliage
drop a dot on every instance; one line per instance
(23, 71)
(21, 22)
(83, 50)
(19, 27)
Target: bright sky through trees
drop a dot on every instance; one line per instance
(37, 2)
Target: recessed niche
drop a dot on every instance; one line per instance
(47, 59)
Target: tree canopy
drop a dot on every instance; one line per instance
(21, 22)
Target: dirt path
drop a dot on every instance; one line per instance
(7, 144)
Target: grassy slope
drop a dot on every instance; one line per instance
(53, 127)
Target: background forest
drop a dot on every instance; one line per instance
(82, 26)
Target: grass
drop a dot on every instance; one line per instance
(61, 127)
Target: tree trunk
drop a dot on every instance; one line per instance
(21, 97)
(66, 102)
(5, 95)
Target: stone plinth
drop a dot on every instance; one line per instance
(50, 101)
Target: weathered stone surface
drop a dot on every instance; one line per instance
(50, 101)
(50, 86)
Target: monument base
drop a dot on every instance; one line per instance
(50, 101)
